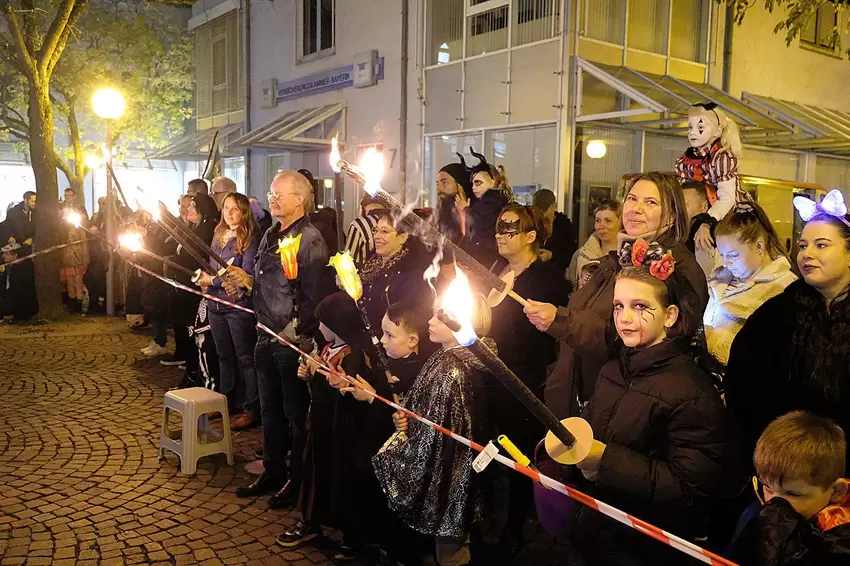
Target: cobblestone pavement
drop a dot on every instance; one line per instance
(79, 478)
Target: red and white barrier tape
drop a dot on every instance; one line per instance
(660, 535)
(41, 252)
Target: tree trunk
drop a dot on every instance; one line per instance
(47, 210)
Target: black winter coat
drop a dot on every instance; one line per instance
(779, 536)
(586, 331)
(669, 449)
(481, 216)
(790, 355)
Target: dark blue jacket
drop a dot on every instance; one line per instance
(244, 260)
(274, 295)
(480, 240)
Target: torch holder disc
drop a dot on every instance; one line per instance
(496, 297)
(583, 434)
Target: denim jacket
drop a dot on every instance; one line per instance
(244, 260)
(273, 293)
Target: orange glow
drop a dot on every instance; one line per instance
(457, 302)
(372, 167)
(343, 263)
(288, 250)
(131, 240)
(335, 156)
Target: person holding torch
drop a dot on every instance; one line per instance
(282, 290)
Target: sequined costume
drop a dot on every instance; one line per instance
(428, 478)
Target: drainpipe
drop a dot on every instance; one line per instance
(727, 47)
(402, 129)
(246, 11)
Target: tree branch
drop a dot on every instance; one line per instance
(74, 130)
(64, 167)
(79, 8)
(23, 54)
(30, 26)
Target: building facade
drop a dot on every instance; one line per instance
(528, 83)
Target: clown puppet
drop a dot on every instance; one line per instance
(712, 159)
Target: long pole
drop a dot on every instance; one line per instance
(110, 227)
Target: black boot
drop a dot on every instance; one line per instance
(286, 498)
(263, 485)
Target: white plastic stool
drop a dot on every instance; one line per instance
(194, 404)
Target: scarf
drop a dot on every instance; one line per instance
(652, 236)
(834, 515)
(376, 266)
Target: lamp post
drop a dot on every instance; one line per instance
(92, 162)
(109, 105)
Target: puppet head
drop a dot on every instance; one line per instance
(707, 123)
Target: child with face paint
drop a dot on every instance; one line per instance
(478, 219)
(712, 159)
(663, 446)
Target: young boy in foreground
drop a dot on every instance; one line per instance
(805, 519)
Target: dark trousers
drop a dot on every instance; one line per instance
(160, 332)
(235, 336)
(284, 402)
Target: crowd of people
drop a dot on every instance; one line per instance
(706, 360)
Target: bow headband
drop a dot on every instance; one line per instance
(709, 107)
(661, 264)
(832, 204)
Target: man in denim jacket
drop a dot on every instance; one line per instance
(284, 398)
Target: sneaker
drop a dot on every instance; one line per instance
(182, 367)
(155, 350)
(172, 361)
(347, 552)
(299, 535)
(148, 347)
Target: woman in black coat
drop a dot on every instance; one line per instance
(794, 351)
(201, 218)
(394, 272)
(525, 350)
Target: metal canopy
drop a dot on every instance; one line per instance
(813, 128)
(196, 145)
(661, 101)
(305, 131)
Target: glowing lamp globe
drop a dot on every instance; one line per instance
(596, 149)
(92, 161)
(108, 104)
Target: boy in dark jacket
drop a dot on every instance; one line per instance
(805, 519)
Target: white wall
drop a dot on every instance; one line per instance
(372, 113)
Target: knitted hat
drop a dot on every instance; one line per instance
(339, 313)
(460, 173)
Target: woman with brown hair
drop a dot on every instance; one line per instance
(653, 211)
(236, 238)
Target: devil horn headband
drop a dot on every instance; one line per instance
(462, 160)
(832, 204)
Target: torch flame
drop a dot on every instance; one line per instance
(457, 302)
(335, 156)
(131, 240)
(148, 203)
(288, 250)
(74, 218)
(343, 263)
(372, 166)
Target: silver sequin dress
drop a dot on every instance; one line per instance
(428, 477)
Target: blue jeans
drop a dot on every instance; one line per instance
(160, 332)
(235, 337)
(284, 401)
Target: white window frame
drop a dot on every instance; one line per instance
(301, 57)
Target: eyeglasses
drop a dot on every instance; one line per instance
(275, 196)
(383, 231)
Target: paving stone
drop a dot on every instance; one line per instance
(79, 474)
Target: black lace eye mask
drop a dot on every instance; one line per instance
(504, 228)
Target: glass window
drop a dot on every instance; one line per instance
(535, 20)
(688, 30)
(529, 157)
(605, 21)
(445, 26)
(218, 62)
(316, 27)
(487, 31)
(442, 150)
(648, 25)
(819, 28)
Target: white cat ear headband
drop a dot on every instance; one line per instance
(832, 204)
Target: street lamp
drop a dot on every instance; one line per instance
(109, 105)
